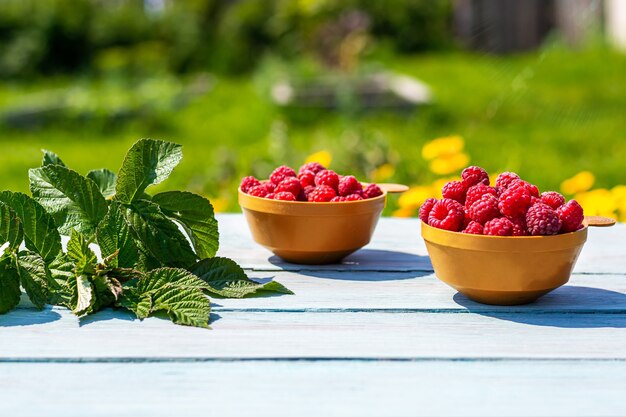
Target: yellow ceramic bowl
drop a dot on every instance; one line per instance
(503, 270)
(311, 233)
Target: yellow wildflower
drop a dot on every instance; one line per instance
(580, 182)
(324, 157)
(444, 165)
(383, 173)
(220, 204)
(598, 202)
(493, 178)
(404, 212)
(415, 196)
(440, 147)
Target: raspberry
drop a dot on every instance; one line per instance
(519, 226)
(534, 200)
(505, 179)
(455, 190)
(553, 199)
(354, 197)
(349, 185)
(247, 183)
(447, 214)
(473, 228)
(307, 190)
(327, 177)
(270, 196)
(284, 196)
(474, 193)
(280, 173)
(426, 208)
(371, 191)
(571, 215)
(500, 226)
(532, 189)
(474, 175)
(261, 190)
(514, 202)
(307, 178)
(322, 194)
(541, 219)
(314, 167)
(290, 185)
(484, 209)
(338, 199)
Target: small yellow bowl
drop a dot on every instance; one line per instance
(313, 233)
(504, 270)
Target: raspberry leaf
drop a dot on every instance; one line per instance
(113, 235)
(225, 278)
(9, 285)
(50, 158)
(105, 180)
(147, 162)
(10, 227)
(75, 202)
(34, 277)
(195, 214)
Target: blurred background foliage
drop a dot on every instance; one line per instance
(86, 78)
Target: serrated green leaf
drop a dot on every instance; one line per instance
(113, 234)
(187, 306)
(226, 279)
(61, 273)
(34, 277)
(105, 180)
(196, 215)
(50, 158)
(10, 291)
(10, 227)
(160, 236)
(148, 162)
(78, 251)
(75, 202)
(82, 299)
(40, 232)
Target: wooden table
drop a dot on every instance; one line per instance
(375, 336)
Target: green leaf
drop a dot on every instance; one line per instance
(107, 291)
(113, 235)
(50, 158)
(10, 227)
(148, 162)
(160, 236)
(34, 277)
(195, 213)
(75, 202)
(226, 279)
(83, 298)
(9, 285)
(105, 180)
(61, 273)
(78, 251)
(40, 232)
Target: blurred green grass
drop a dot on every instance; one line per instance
(547, 115)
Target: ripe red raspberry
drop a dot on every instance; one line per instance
(505, 179)
(349, 185)
(571, 215)
(473, 228)
(532, 189)
(474, 193)
(290, 185)
(500, 226)
(247, 183)
(371, 191)
(541, 220)
(261, 190)
(322, 194)
(426, 208)
(474, 175)
(314, 167)
(484, 209)
(534, 200)
(553, 199)
(354, 197)
(446, 214)
(280, 173)
(307, 178)
(270, 196)
(519, 226)
(338, 199)
(455, 190)
(307, 190)
(327, 177)
(514, 202)
(284, 196)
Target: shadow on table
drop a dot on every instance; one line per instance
(387, 265)
(118, 314)
(565, 308)
(29, 317)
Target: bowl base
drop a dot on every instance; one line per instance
(312, 258)
(503, 298)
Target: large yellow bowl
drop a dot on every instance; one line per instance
(503, 270)
(311, 233)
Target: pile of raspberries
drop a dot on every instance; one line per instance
(313, 183)
(513, 207)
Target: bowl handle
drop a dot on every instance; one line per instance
(394, 188)
(598, 221)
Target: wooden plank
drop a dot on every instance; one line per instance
(321, 388)
(55, 333)
(397, 246)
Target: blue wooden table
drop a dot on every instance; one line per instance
(375, 336)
